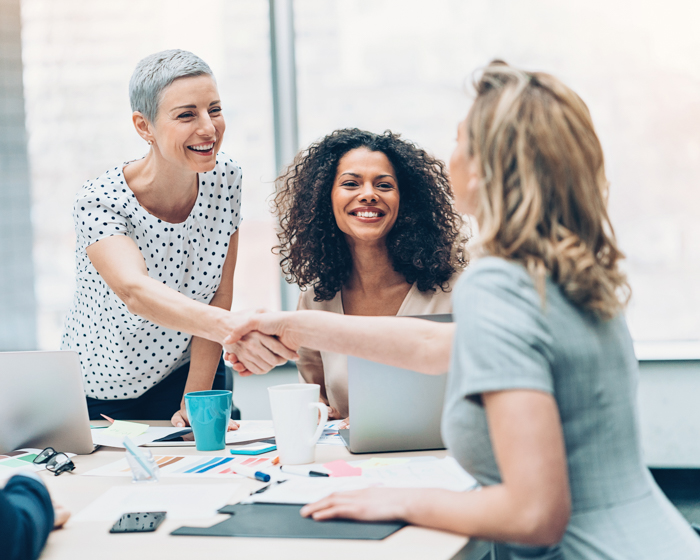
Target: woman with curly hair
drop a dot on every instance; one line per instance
(366, 228)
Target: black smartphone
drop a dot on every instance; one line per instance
(139, 522)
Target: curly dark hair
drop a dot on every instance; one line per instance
(425, 245)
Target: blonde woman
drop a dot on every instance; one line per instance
(541, 399)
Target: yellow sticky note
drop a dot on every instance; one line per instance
(376, 462)
(120, 428)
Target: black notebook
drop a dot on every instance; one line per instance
(283, 521)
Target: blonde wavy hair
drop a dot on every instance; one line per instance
(543, 190)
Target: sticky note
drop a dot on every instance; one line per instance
(120, 428)
(342, 468)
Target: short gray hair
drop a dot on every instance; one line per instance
(156, 72)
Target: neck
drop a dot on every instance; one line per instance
(166, 191)
(372, 270)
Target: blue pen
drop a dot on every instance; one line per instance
(251, 473)
(140, 458)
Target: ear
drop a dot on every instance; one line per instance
(142, 126)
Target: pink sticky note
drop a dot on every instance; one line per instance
(341, 468)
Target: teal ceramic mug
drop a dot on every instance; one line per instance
(209, 413)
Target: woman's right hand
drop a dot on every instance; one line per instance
(257, 353)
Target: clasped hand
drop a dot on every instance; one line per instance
(256, 346)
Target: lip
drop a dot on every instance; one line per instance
(367, 220)
(208, 152)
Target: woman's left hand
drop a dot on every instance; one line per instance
(180, 420)
(371, 504)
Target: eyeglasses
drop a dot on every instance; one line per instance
(56, 463)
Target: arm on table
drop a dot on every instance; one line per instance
(399, 341)
(532, 504)
(26, 518)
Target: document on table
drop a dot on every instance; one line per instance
(419, 472)
(249, 430)
(115, 438)
(184, 501)
(189, 466)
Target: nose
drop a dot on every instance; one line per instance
(206, 127)
(367, 194)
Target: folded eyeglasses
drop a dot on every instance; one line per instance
(56, 462)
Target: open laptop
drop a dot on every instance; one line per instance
(394, 409)
(42, 402)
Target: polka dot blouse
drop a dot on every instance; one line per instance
(122, 354)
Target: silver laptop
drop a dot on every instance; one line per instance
(42, 402)
(393, 409)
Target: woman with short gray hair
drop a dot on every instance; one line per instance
(157, 240)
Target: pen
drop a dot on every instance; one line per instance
(250, 473)
(302, 471)
(111, 420)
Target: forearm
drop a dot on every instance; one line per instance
(490, 513)
(205, 354)
(399, 341)
(164, 306)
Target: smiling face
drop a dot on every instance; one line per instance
(189, 127)
(365, 195)
(464, 174)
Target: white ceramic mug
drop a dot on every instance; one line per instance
(295, 409)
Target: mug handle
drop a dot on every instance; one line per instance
(323, 409)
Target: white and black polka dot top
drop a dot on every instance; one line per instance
(122, 354)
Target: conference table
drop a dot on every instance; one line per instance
(90, 539)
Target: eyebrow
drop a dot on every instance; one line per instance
(360, 176)
(194, 106)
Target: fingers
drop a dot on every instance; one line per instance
(259, 353)
(60, 516)
(277, 348)
(179, 419)
(346, 505)
(233, 425)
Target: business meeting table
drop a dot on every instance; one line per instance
(90, 539)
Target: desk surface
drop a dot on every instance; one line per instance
(91, 539)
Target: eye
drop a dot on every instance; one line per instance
(348, 184)
(186, 115)
(215, 110)
(385, 186)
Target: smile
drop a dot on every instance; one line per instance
(367, 214)
(201, 147)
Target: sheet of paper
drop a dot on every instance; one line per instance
(121, 428)
(103, 436)
(330, 435)
(184, 501)
(187, 466)
(251, 429)
(416, 473)
(376, 462)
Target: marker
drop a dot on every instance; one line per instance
(250, 473)
(276, 460)
(111, 420)
(301, 471)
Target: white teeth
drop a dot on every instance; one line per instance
(204, 148)
(367, 214)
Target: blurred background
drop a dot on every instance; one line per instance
(372, 64)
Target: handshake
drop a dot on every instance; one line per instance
(259, 341)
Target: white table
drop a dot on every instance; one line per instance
(80, 540)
